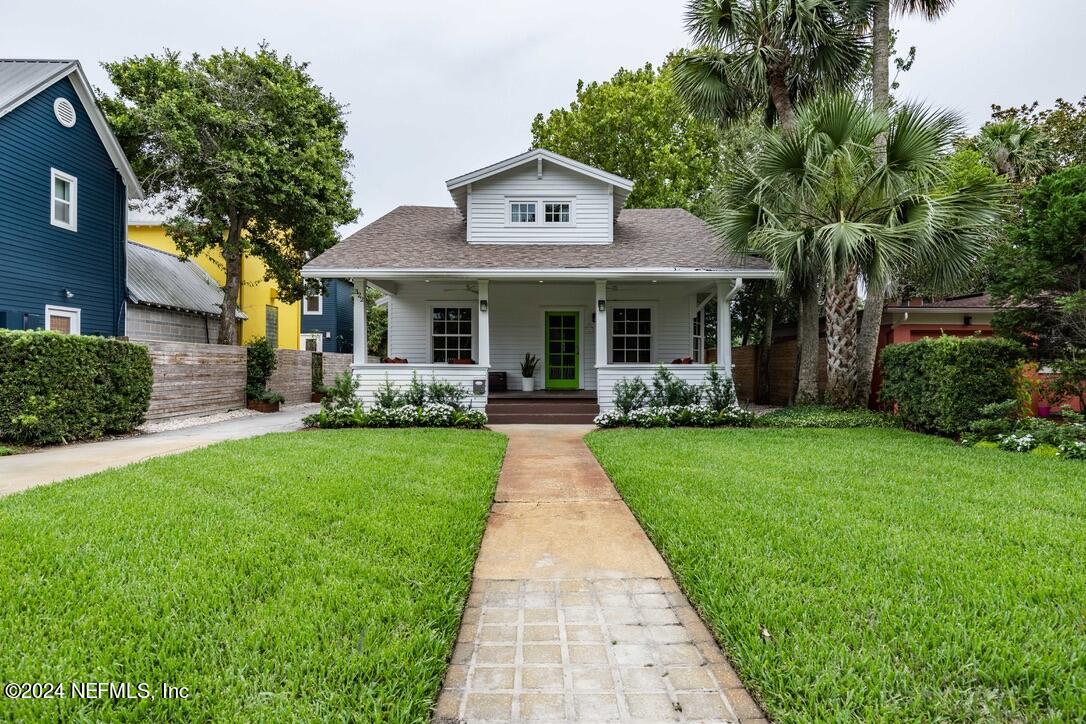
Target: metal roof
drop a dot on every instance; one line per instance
(21, 80)
(161, 279)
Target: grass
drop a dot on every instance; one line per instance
(304, 576)
(4, 450)
(899, 577)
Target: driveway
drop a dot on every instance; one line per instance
(19, 472)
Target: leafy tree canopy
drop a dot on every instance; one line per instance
(635, 126)
(1063, 126)
(243, 152)
(1040, 269)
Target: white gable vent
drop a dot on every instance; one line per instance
(64, 111)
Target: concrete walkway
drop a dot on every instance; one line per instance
(19, 472)
(573, 615)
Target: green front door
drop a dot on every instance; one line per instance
(563, 359)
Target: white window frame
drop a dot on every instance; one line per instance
(540, 211)
(654, 319)
(320, 305)
(471, 307)
(73, 183)
(319, 336)
(72, 313)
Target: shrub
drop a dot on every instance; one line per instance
(940, 385)
(670, 391)
(446, 393)
(59, 388)
(826, 416)
(719, 391)
(676, 416)
(387, 395)
(317, 372)
(630, 395)
(415, 394)
(260, 363)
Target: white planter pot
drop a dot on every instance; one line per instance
(527, 384)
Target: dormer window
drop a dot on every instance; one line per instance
(522, 212)
(540, 212)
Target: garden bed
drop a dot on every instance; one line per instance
(298, 576)
(874, 575)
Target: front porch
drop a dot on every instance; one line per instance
(586, 334)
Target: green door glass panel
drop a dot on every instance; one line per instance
(562, 363)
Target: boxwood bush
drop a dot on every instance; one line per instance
(941, 384)
(59, 388)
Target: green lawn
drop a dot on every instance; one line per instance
(313, 575)
(899, 577)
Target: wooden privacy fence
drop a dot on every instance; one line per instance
(782, 364)
(202, 379)
(195, 379)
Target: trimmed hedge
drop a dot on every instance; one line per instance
(59, 388)
(941, 384)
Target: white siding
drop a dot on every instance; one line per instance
(489, 198)
(370, 377)
(611, 375)
(516, 311)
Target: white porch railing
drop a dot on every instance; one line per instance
(372, 376)
(610, 375)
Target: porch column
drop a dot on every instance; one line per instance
(724, 290)
(360, 337)
(484, 322)
(601, 322)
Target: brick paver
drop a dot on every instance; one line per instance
(573, 616)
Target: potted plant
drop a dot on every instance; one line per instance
(527, 372)
(262, 400)
(1048, 394)
(260, 364)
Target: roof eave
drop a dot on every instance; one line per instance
(539, 274)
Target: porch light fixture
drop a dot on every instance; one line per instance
(601, 305)
(482, 305)
(68, 294)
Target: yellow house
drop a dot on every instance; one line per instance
(268, 316)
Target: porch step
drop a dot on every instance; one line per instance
(542, 410)
(540, 418)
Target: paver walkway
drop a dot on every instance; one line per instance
(18, 472)
(573, 615)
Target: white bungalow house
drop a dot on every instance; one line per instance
(538, 256)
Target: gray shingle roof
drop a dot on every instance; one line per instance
(20, 78)
(429, 237)
(163, 280)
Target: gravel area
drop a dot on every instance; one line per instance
(180, 423)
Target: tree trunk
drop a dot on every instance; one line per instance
(782, 101)
(231, 253)
(807, 382)
(765, 349)
(842, 301)
(867, 341)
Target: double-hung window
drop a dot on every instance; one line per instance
(631, 335)
(62, 207)
(451, 333)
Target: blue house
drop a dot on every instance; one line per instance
(328, 319)
(64, 188)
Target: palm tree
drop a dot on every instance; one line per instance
(823, 202)
(875, 298)
(765, 56)
(1014, 149)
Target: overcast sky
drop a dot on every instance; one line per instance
(438, 88)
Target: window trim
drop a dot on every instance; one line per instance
(73, 222)
(473, 311)
(320, 305)
(319, 336)
(73, 313)
(653, 319)
(540, 211)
